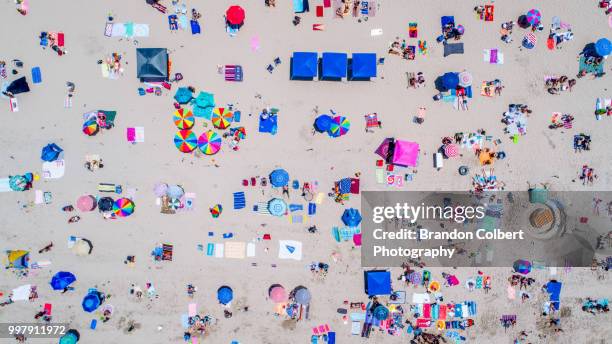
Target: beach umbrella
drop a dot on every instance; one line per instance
(322, 123)
(380, 312)
(225, 295)
(460, 29)
(465, 79)
(279, 178)
(86, 203)
(61, 280)
(222, 118)
(209, 142)
(351, 217)
(339, 126)
(434, 286)
(302, 296)
(383, 148)
(185, 141)
(51, 152)
(603, 47)
(463, 170)
(451, 150)
(522, 22)
(175, 191)
(183, 95)
(71, 337)
(105, 204)
(216, 210)
(82, 247)
(450, 80)
(235, 15)
(91, 302)
(183, 119)
(522, 266)
(18, 183)
(91, 128)
(18, 259)
(529, 40)
(174, 203)
(205, 100)
(277, 293)
(160, 189)
(277, 207)
(123, 207)
(534, 17)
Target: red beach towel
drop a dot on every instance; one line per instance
(60, 39)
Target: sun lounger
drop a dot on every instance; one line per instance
(453, 48)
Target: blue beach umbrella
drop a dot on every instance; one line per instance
(277, 207)
(380, 312)
(225, 295)
(603, 47)
(279, 178)
(322, 123)
(61, 280)
(450, 80)
(351, 217)
(91, 302)
(183, 95)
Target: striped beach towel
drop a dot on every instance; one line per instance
(261, 208)
(233, 73)
(239, 200)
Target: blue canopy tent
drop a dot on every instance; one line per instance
(351, 217)
(304, 66)
(225, 295)
(279, 178)
(152, 64)
(334, 66)
(62, 280)
(377, 282)
(362, 66)
(51, 152)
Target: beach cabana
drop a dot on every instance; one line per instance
(304, 66)
(377, 282)
(405, 153)
(18, 259)
(334, 66)
(362, 66)
(152, 64)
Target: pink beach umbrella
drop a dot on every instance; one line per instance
(86, 203)
(278, 293)
(451, 150)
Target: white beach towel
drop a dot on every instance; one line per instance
(4, 185)
(290, 249)
(251, 250)
(21, 293)
(53, 169)
(420, 298)
(219, 250)
(376, 32)
(39, 197)
(235, 249)
(120, 30)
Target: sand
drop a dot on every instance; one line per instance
(540, 156)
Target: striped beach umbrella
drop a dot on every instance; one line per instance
(183, 119)
(91, 128)
(530, 40)
(339, 126)
(222, 118)
(465, 79)
(451, 150)
(123, 207)
(209, 142)
(216, 210)
(185, 141)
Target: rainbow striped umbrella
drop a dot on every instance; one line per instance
(534, 17)
(91, 128)
(209, 142)
(183, 119)
(186, 141)
(339, 126)
(222, 118)
(123, 207)
(216, 210)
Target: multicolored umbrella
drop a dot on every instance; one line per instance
(216, 210)
(91, 128)
(186, 141)
(339, 126)
(465, 79)
(183, 119)
(209, 142)
(534, 17)
(174, 203)
(235, 15)
(222, 118)
(529, 40)
(18, 183)
(451, 150)
(460, 29)
(123, 207)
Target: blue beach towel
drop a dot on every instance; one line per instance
(195, 27)
(36, 75)
(239, 200)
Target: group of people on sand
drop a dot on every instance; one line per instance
(587, 175)
(402, 49)
(557, 85)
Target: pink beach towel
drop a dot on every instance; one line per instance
(427, 311)
(511, 293)
(47, 308)
(442, 313)
(493, 57)
(327, 3)
(193, 309)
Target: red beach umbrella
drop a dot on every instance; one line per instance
(235, 15)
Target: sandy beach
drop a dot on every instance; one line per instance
(542, 156)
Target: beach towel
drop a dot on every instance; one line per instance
(210, 249)
(453, 48)
(327, 3)
(435, 311)
(493, 56)
(36, 75)
(128, 30)
(53, 169)
(489, 13)
(413, 30)
(60, 39)
(420, 298)
(290, 249)
(251, 250)
(233, 73)
(135, 134)
(239, 200)
(195, 27)
(319, 11)
(376, 32)
(427, 311)
(167, 252)
(261, 208)
(183, 22)
(219, 250)
(235, 249)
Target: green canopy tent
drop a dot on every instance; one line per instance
(152, 64)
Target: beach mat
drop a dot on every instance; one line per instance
(239, 200)
(453, 48)
(195, 27)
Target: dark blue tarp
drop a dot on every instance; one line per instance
(351, 217)
(363, 66)
(51, 152)
(334, 65)
(377, 282)
(62, 280)
(304, 65)
(268, 123)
